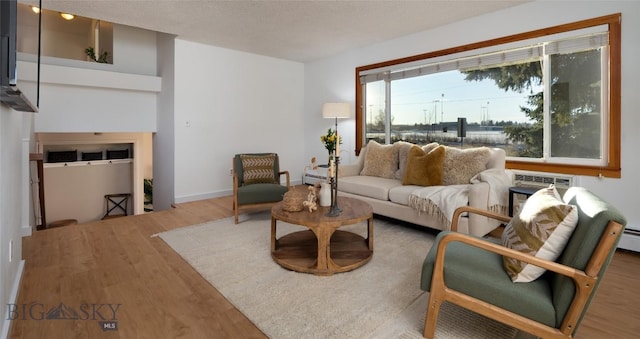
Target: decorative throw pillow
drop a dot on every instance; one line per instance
(460, 165)
(424, 169)
(429, 147)
(380, 160)
(258, 168)
(542, 228)
(403, 151)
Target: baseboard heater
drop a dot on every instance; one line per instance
(630, 240)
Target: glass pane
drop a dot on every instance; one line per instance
(575, 105)
(375, 112)
(68, 39)
(417, 109)
(499, 105)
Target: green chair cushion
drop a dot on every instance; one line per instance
(259, 193)
(481, 274)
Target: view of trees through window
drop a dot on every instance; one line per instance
(548, 106)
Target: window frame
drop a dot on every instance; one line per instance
(613, 164)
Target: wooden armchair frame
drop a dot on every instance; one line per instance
(236, 184)
(584, 281)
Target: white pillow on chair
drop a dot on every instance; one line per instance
(542, 228)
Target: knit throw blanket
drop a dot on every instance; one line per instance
(442, 201)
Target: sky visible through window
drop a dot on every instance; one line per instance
(430, 99)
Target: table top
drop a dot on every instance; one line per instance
(353, 211)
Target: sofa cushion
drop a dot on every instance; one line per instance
(400, 194)
(542, 228)
(403, 151)
(380, 160)
(368, 186)
(460, 165)
(424, 169)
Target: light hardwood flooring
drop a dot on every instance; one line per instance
(118, 261)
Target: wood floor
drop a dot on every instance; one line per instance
(93, 267)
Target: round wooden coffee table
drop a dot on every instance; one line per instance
(323, 249)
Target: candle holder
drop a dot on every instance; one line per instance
(334, 210)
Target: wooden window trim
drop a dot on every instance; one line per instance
(613, 167)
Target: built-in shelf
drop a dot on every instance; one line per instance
(81, 168)
(88, 163)
(57, 155)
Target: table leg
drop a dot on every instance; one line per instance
(273, 234)
(370, 233)
(324, 252)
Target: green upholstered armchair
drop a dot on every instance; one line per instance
(256, 181)
(469, 272)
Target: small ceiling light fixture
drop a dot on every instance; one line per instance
(35, 9)
(67, 16)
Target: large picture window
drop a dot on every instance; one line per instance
(550, 98)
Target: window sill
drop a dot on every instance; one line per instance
(609, 172)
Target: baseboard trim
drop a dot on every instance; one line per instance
(203, 196)
(26, 231)
(6, 325)
(216, 194)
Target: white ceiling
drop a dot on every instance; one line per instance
(302, 30)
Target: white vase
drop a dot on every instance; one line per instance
(325, 194)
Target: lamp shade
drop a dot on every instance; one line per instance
(336, 110)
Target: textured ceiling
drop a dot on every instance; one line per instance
(300, 30)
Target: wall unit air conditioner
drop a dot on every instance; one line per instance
(539, 180)
(562, 182)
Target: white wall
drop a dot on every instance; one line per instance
(134, 50)
(77, 192)
(329, 81)
(163, 139)
(85, 100)
(12, 166)
(333, 78)
(229, 102)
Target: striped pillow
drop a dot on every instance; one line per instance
(542, 228)
(258, 169)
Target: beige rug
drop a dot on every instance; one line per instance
(381, 299)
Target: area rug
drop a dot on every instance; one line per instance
(381, 299)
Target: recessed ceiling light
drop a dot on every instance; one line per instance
(35, 9)
(67, 16)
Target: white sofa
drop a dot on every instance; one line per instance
(389, 197)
